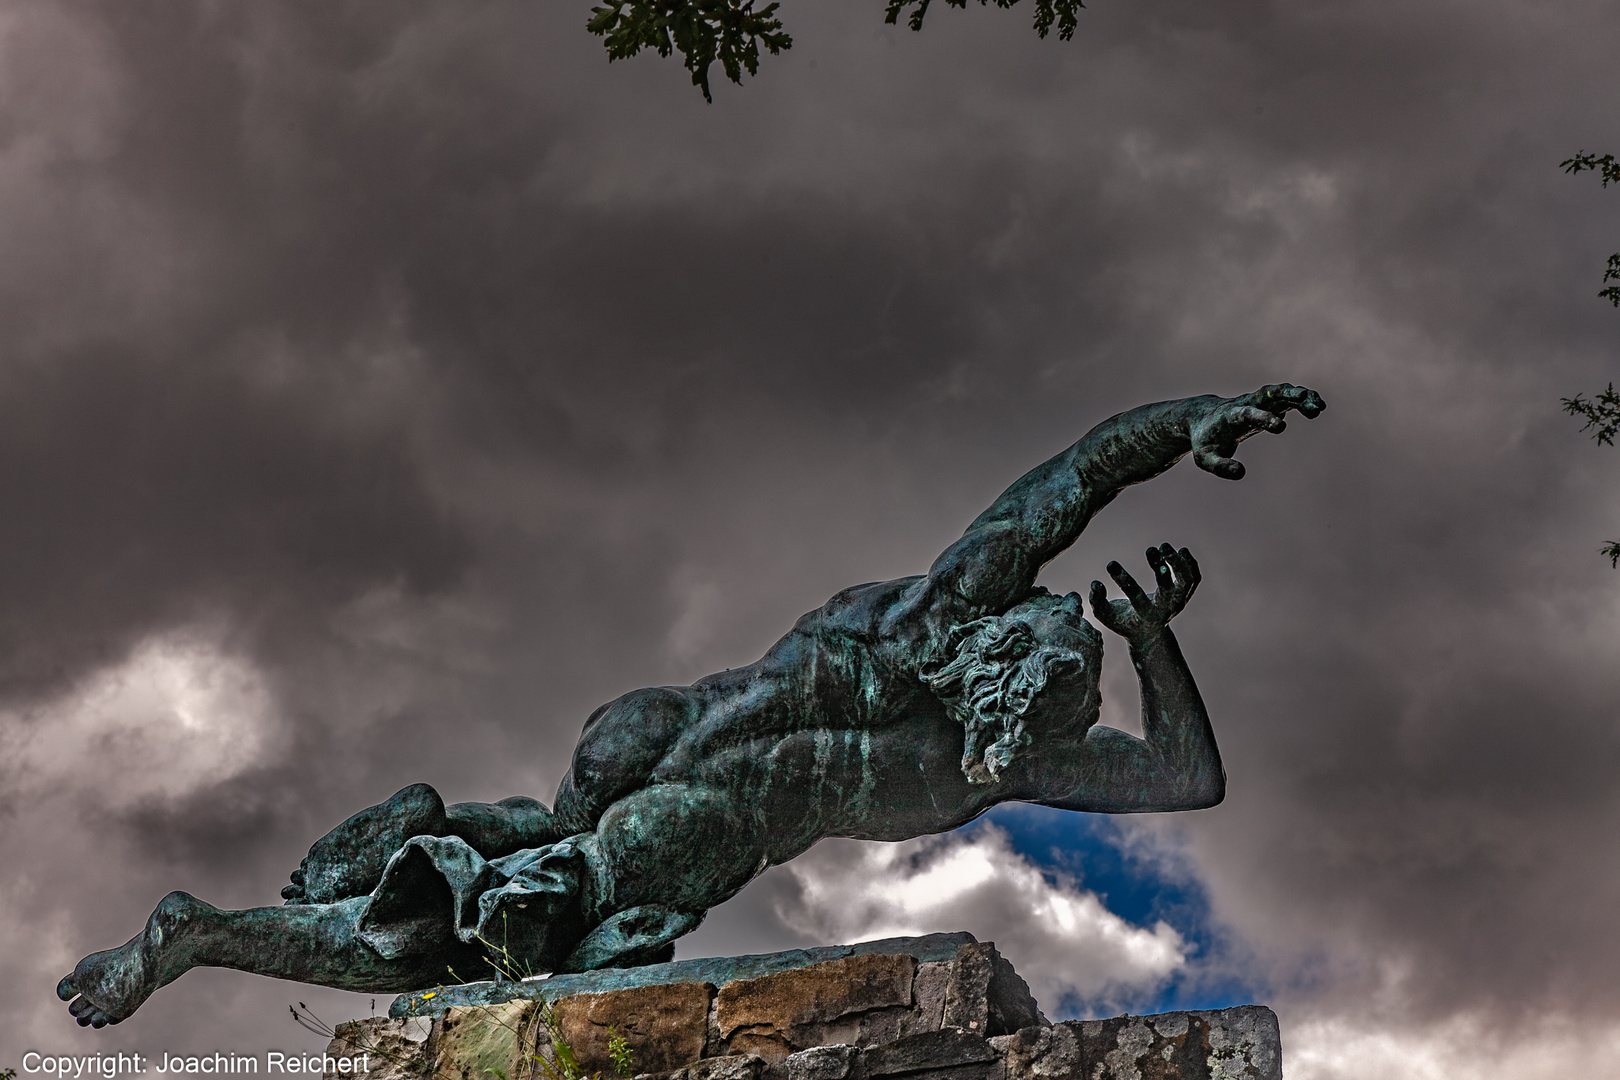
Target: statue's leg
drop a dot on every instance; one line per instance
(497, 829)
(307, 943)
(349, 860)
(665, 854)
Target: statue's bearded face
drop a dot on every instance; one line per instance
(1013, 678)
(1071, 700)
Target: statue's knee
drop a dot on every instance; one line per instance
(417, 810)
(413, 803)
(349, 860)
(631, 733)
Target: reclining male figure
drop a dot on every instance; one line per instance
(897, 709)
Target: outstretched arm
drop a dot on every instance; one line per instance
(1176, 765)
(995, 563)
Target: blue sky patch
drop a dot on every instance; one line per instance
(1093, 849)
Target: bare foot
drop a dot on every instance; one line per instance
(108, 986)
(349, 860)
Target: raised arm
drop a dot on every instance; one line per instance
(1176, 765)
(995, 563)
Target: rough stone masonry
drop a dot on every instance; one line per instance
(941, 1007)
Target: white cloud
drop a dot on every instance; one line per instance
(175, 716)
(1341, 1047)
(1072, 950)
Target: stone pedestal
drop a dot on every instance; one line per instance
(929, 1008)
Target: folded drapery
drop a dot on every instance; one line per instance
(514, 906)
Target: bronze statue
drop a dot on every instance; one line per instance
(898, 708)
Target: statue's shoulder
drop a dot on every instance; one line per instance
(867, 619)
(861, 609)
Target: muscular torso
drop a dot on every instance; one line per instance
(830, 733)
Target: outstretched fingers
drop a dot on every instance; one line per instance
(1179, 563)
(1139, 616)
(1099, 599)
(1159, 559)
(1280, 397)
(1215, 436)
(1187, 569)
(1178, 576)
(1127, 585)
(1219, 460)
(1116, 615)
(1247, 419)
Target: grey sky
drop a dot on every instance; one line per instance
(396, 382)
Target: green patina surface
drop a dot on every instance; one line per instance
(896, 709)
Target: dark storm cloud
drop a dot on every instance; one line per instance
(451, 382)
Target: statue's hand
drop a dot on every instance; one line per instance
(1139, 618)
(1228, 421)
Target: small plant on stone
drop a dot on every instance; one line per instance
(564, 1064)
(500, 958)
(624, 1059)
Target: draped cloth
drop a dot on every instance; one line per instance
(438, 886)
(547, 909)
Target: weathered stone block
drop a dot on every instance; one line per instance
(1228, 1044)
(985, 995)
(856, 1015)
(934, 1051)
(475, 1042)
(869, 1028)
(666, 1026)
(717, 970)
(393, 1049)
(777, 1014)
(1244, 1042)
(731, 1067)
(822, 1063)
(927, 1010)
(1040, 1053)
